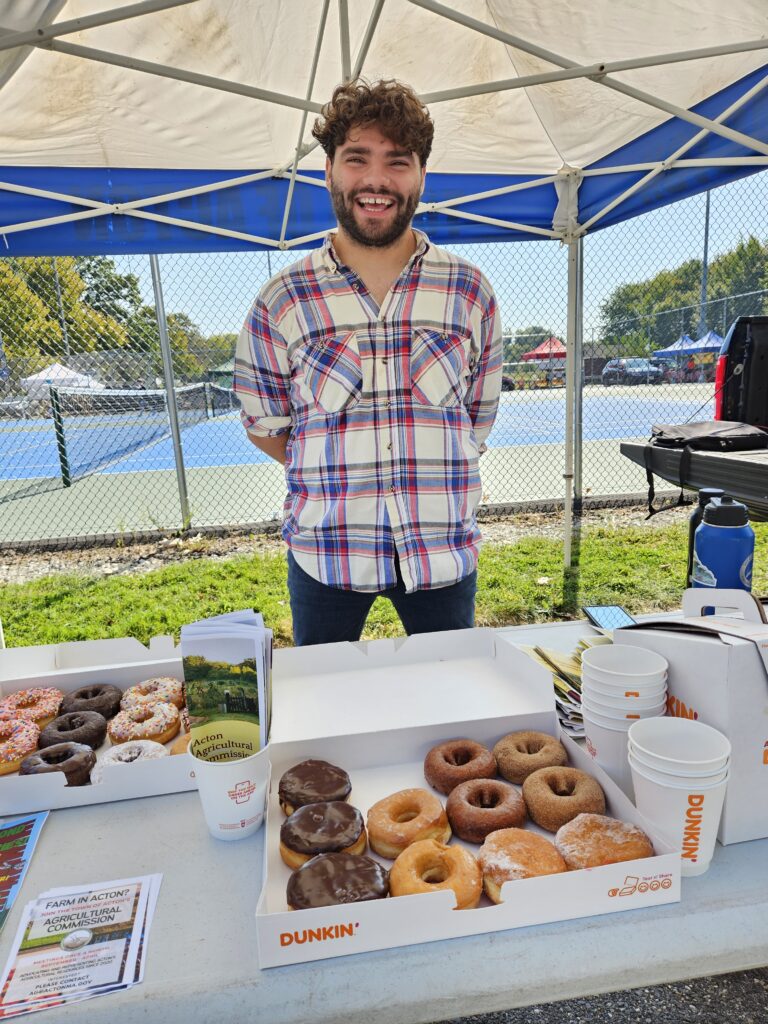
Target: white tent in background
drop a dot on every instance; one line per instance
(38, 384)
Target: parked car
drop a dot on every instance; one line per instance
(741, 378)
(631, 371)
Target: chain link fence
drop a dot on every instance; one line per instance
(86, 451)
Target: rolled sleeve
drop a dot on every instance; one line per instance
(482, 399)
(262, 379)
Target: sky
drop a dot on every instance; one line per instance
(530, 278)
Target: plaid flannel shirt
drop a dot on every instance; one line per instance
(387, 411)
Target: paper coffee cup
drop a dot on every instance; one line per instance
(624, 703)
(233, 793)
(631, 713)
(671, 743)
(672, 779)
(626, 691)
(675, 770)
(614, 663)
(687, 815)
(608, 747)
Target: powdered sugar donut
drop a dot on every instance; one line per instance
(128, 753)
(159, 722)
(591, 840)
(162, 688)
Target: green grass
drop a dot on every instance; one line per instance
(639, 567)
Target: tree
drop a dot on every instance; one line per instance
(107, 291)
(185, 339)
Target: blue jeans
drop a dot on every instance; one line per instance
(326, 615)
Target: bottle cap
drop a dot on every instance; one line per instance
(706, 494)
(725, 512)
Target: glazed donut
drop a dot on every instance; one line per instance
(159, 722)
(38, 705)
(163, 688)
(312, 782)
(591, 840)
(448, 764)
(18, 738)
(521, 753)
(333, 878)
(181, 745)
(335, 827)
(88, 727)
(513, 853)
(102, 698)
(404, 818)
(554, 796)
(428, 866)
(480, 806)
(74, 759)
(127, 753)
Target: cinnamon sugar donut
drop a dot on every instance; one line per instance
(404, 818)
(428, 866)
(513, 853)
(448, 764)
(521, 753)
(478, 807)
(591, 840)
(554, 796)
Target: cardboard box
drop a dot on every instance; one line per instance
(121, 662)
(717, 674)
(376, 709)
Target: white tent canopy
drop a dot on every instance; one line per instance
(184, 124)
(37, 385)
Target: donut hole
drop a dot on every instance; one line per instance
(532, 746)
(407, 815)
(434, 872)
(563, 787)
(486, 799)
(57, 758)
(143, 715)
(458, 758)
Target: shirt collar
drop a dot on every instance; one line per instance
(332, 263)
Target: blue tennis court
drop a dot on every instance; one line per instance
(28, 448)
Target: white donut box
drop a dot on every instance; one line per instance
(122, 662)
(376, 709)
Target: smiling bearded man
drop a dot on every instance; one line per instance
(372, 369)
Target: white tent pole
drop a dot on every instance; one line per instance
(578, 379)
(664, 164)
(39, 36)
(170, 389)
(346, 57)
(573, 331)
(495, 222)
(604, 80)
(672, 163)
(367, 38)
(192, 77)
(300, 140)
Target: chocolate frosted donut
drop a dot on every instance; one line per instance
(74, 759)
(478, 807)
(88, 727)
(448, 764)
(103, 698)
(312, 782)
(321, 828)
(333, 878)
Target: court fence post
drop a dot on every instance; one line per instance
(61, 441)
(170, 391)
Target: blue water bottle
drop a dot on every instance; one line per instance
(723, 547)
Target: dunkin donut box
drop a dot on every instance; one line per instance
(122, 662)
(376, 709)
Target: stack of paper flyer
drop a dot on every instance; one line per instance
(79, 942)
(17, 843)
(227, 663)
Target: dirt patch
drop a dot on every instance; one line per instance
(117, 560)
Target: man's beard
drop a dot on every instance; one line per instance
(375, 236)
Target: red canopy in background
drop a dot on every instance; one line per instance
(552, 348)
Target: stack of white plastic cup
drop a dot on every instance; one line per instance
(680, 773)
(619, 685)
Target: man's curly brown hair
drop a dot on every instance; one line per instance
(392, 106)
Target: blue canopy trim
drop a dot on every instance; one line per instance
(257, 208)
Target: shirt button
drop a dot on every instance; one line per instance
(389, 446)
(384, 362)
(393, 488)
(387, 405)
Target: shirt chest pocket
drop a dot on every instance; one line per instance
(333, 371)
(441, 366)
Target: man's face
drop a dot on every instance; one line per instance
(375, 187)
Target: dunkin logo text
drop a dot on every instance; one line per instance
(331, 931)
(678, 709)
(692, 827)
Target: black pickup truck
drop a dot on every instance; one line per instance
(741, 378)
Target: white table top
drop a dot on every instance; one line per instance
(202, 959)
